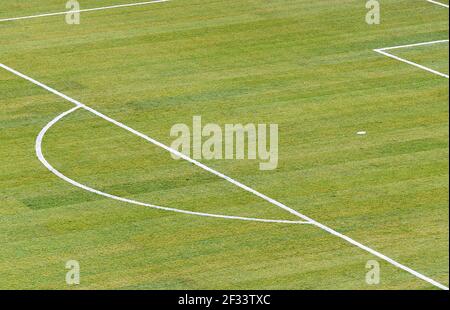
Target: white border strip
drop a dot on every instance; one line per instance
(84, 10)
(383, 50)
(438, 3)
(233, 181)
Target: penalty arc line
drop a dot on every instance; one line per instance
(231, 180)
(84, 10)
(41, 157)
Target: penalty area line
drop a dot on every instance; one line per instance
(41, 157)
(84, 10)
(233, 181)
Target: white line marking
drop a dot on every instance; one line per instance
(412, 45)
(383, 50)
(438, 3)
(84, 10)
(41, 157)
(237, 183)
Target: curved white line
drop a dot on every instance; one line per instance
(42, 159)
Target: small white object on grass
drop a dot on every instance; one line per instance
(361, 133)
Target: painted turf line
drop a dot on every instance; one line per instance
(237, 183)
(84, 10)
(383, 50)
(438, 3)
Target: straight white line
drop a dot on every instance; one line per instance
(237, 183)
(412, 45)
(41, 157)
(438, 3)
(412, 63)
(84, 10)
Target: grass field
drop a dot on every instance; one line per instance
(308, 66)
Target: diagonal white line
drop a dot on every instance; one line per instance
(438, 3)
(233, 181)
(84, 10)
(41, 157)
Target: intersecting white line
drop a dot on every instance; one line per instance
(229, 179)
(84, 10)
(383, 50)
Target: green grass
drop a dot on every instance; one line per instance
(307, 66)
